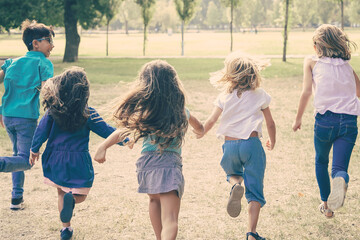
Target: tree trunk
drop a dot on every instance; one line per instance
(231, 25)
(71, 33)
(182, 37)
(145, 38)
(285, 29)
(342, 14)
(126, 27)
(107, 37)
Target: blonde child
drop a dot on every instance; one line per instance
(243, 106)
(336, 91)
(23, 78)
(155, 111)
(66, 126)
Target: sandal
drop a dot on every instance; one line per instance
(254, 235)
(337, 195)
(326, 211)
(234, 204)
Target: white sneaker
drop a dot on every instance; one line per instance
(337, 195)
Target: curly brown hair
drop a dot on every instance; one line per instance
(155, 107)
(65, 96)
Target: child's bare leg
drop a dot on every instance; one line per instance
(170, 207)
(78, 199)
(235, 179)
(155, 214)
(254, 211)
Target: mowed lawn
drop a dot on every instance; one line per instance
(204, 43)
(114, 210)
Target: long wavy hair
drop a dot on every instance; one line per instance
(155, 106)
(240, 73)
(65, 96)
(331, 41)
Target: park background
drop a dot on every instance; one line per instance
(114, 210)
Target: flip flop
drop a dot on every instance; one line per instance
(234, 204)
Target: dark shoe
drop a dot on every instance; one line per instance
(68, 207)
(66, 233)
(234, 204)
(254, 235)
(17, 203)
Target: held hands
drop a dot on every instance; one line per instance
(198, 134)
(33, 157)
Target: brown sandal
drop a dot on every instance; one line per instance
(326, 211)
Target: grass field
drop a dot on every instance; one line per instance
(114, 210)
(196, 44)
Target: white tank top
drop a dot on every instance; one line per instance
(334, 86)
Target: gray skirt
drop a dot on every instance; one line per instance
(160, 173)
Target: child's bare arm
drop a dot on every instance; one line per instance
(270, 124)
(357, 84)
(210, 122)
(197, 126)
(306, 93)
(115, 137)
(2, 75)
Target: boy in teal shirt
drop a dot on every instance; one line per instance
(23, 78)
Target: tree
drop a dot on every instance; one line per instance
(146, 13)
(185, 10)
(232, 4)
(130, 15)
(286, 28)
(355, 13)
(304, 13)
(110, 8)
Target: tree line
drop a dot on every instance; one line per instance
(176, 15)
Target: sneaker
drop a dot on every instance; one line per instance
(66, 233)
(234, 204)
(17, 204)
(68, 207)
(337, 195)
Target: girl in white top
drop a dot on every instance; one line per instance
(243, 106)
(336, 90)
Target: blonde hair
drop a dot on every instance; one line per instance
(240, 73)
(331, 41)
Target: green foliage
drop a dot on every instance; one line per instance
(147, 10)
(110, 8)
(185, 9)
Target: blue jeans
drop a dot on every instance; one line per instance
(246, 158)
(21, 132)
(338, 131)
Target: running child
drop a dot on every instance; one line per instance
(66, 126)
(155, 111)
(23, 78)
(243, 106)
(336, 90)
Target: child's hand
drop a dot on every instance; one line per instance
(296, 125)
(198, 133)
(100, 155)
(33, 157)
(270, 145)
(130, 144)
(1, 121)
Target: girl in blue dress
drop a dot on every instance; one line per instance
(66, 126)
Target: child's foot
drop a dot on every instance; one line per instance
(66, 233)
(337, 195)
(326, 211)
(254, 235)
(17, 203)
(234, 203)
(68, 207)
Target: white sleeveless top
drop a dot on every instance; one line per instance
(334, 86)
(241, 116)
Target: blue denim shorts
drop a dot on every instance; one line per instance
(246, 158)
